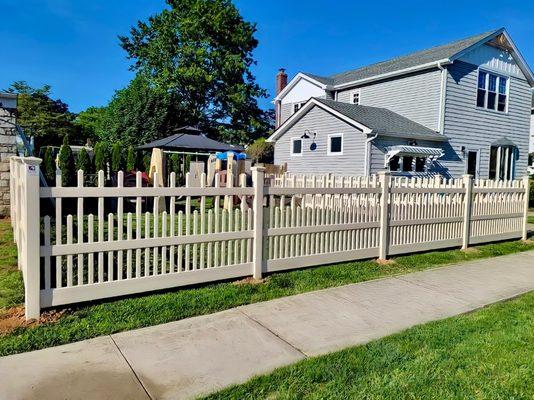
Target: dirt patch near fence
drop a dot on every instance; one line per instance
(13, 318)
(249, 281)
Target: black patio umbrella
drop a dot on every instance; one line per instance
(190, 139)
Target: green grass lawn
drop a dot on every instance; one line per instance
(112, 316)
(11, 285)
(487, 354)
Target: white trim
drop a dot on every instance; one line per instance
(499, 75)
(295, 80)
(393, 73)
(466, 161)
(312, 103)
(291, 147)
(329, 144)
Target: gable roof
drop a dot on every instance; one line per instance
(370, 120)
(419, 60)
(434, 54)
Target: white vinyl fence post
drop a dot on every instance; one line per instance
(526, 183)
(468, 184)
(384, 178)
(257, 256)
(31, 228)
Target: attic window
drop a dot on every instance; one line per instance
(492, 91)
(355, 97)
(298, 106)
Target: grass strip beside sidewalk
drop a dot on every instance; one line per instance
(487, 354)
(124, 314)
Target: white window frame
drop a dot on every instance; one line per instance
(353, 94)
(337, 153)
(291, 148)
(297, 106)
(486, 88)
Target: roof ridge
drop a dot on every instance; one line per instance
(479, 36)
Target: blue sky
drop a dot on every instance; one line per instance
(73, 46)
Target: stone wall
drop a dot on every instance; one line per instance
(8, 148)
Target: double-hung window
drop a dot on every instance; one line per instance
(298, 106)
(296, 146)
(492, 91)
(355, 97)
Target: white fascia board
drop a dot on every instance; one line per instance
(404, 71)
(294, 81)
(303, 110)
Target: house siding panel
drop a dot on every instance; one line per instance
(287, 109)
(317, 119)
(415, 96)
(475, 128)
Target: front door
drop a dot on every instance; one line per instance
(472, 163)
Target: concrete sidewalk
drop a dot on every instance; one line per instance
(199, 355)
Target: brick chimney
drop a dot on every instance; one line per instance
(281, 83)
(281, 80)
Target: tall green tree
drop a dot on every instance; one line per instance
(66, 163)
(139, 114)
(91, 122)
(49, 166)
(200, 52)
(48, 120)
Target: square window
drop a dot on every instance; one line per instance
(335, 144)
(407, 162)
(296, 147)
(355, 98)
(420, 163)
(394, 163)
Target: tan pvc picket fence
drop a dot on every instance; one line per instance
(101, 242)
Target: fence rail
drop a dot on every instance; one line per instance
(84, 243)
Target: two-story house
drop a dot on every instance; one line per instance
(463, 107)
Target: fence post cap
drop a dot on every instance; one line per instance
(31, 160)
(467, 176)
(384, 173)
(259, 168)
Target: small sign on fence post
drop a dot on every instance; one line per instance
(31, 228)
(257, 256)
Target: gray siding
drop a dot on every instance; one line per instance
(379, 149)
(476, 128)
(286, 111)
(318, 161)
(287, 108)
(415, 96)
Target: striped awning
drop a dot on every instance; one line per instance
(430, 153)
(416, 151)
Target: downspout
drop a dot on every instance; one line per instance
(443, 94)
(368, 154)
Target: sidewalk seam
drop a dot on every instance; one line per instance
(131, 368)
(274, 333)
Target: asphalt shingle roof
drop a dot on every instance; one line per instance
(382, 120)
(399, 63)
